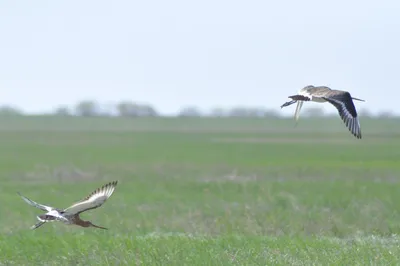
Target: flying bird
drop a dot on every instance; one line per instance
(70, 215)
(342, 100)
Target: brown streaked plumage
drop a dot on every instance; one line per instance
(342, 100)
(70, 215)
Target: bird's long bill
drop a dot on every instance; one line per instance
(298, 108)
(99, 226)
(358, 99)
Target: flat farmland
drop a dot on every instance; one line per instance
(202, 191)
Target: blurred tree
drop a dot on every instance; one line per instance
(9, 110)
(271, 113)
(190, 111)
(147, 110)
(218, 112)
(314, 112)
(62, 111)
(247, 112)
(87, 108)
(126, 109)
(130, 109)
(385, 114)
(238, 112)
(364, 112)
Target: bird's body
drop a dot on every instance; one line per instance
(70, 215)
(342, 100)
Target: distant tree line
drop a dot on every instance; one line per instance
(131, 109)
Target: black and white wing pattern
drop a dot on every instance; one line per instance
(35, 204)
(94, 200)
(347, 111)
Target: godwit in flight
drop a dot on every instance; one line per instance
(70, 215)
(342, 100)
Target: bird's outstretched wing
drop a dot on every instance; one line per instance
(35, 204)
(94, 200)
(347, 111)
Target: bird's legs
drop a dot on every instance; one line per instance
(37, 225)
(298, 108)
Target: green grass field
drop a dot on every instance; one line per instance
(202, 191)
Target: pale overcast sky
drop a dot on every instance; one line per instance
(205, 53)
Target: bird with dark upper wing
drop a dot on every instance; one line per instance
(70, 215)
(342, 100)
